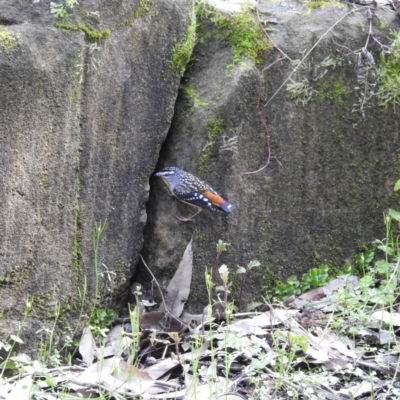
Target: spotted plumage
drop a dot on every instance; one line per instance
(191, 190)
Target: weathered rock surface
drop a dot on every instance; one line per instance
(332, 171)
(81, 125)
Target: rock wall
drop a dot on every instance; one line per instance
(333, 168)
(84, 108)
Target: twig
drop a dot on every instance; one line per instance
(266, 34)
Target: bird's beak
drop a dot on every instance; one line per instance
(166, 182)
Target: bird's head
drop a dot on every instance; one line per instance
(170, 176)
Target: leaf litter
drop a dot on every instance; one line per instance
(289, 351)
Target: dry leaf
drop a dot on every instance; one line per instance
(387, 317)
(22, 389)
(349, 282)
(99, 372)
(274, 317)
(87, 347)
(178, 289)
(157, 370)
(155, 320)
(246, 327)
(135, 380)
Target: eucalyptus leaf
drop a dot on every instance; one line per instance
(397, 186)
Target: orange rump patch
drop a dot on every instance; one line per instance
(215, 199)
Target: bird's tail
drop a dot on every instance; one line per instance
(227, 206)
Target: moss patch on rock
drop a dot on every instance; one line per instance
(243, 34)
(214, 128)
(91, 35)
(389, 74)
(17, 274)
(7, 40)
(144, 7)
(183, 50)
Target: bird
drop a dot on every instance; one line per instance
(193, 191)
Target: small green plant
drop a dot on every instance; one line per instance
(287, 353)
(48, 354)
(60, 10)
(314, 278)
(243, 34)
(363, 262)
(100, 320)
(243, 273)
(382, 25)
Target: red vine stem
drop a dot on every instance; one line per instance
(267, 135)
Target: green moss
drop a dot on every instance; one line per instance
(189, 90)
(17, 274)
(121, 24)
(313, 4)
(201, 237)
(204, 165)
(7, 40)
(389, 74)
(44, 178)
(334, 90)
(214, 128)
(243, 34)
(93, 36)
(144, 7)
(382, 25)
(39, 299)
(183, 51)
(73, 95)
(366, 165)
